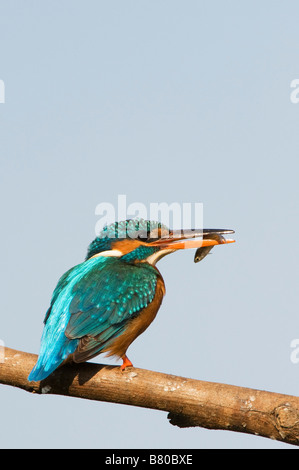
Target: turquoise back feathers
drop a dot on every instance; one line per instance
(94, 302)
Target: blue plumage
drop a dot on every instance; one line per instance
(94, 300)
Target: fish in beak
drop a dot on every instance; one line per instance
(183, 239)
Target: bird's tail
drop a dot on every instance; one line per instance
(41, 371)
(51, 357)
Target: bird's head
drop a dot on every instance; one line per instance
(139, 240)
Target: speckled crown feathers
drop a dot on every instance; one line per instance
(131, 228)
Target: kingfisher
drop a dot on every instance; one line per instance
(104, 303)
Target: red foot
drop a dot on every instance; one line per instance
(126, 363)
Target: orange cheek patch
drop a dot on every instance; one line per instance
(125, 246)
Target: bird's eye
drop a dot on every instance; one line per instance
(144, 237)
(150, 235)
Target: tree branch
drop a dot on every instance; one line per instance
(189, 402)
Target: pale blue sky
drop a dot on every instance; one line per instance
(165, 101)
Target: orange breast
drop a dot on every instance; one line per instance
(138, 324)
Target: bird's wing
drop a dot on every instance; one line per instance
(104, 299)
(62, 283)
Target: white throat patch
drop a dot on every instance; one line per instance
(152, 259)
(108, 253)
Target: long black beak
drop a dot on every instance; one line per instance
(196, 233)
(209, 237)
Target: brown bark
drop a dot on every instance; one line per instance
(189, 402)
